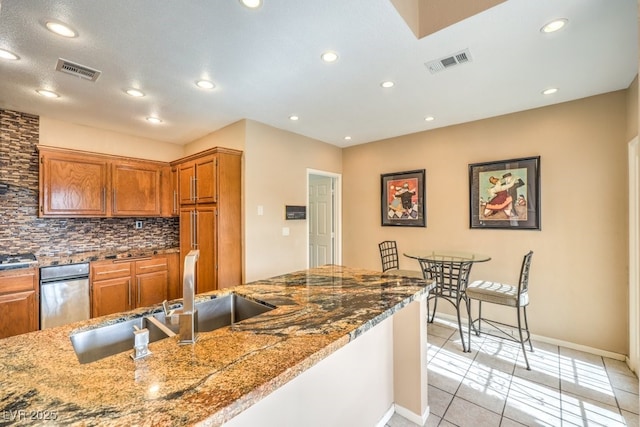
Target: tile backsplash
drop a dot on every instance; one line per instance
(21, 230)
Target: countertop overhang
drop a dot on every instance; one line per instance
(226, 371)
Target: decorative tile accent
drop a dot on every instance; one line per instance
(21, 231)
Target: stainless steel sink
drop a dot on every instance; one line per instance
(212, 314)
(98, 343)
(220, 312)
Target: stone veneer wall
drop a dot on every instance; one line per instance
(21, 231)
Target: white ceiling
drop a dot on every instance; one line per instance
(266, 64)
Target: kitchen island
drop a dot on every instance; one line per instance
(318, 313)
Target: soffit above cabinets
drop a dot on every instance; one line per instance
(425, 17)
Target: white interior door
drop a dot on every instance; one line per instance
(321, 220)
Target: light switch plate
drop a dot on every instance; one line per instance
(285, 231)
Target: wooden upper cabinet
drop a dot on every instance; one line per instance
(197, 181)
(76, 184)
(73, 185)
(206, 183)
(186, 179)
(169, 203)
(135, 189)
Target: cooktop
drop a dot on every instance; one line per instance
(8, 262)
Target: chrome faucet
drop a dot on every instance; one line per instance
(188, 315)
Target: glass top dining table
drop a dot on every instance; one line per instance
(447, 256)
(450, 271)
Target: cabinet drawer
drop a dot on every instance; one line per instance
(17, 281)
(151, 265)
(110, 270)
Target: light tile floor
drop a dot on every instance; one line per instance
(491, 387)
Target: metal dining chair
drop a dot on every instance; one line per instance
(390, 261)
(451, 278)
(506, 295)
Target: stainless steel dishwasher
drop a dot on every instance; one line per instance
(64, 294)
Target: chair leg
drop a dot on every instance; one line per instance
(526, 326)
(479, 318)
(435, 305)
(469, 322)
(464, 348)
(524, 350)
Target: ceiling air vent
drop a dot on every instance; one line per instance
(77, 70)
(449, 61)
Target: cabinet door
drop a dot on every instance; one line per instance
(175, 192)
(170, 202)
(198, 231)
(151, 288)
(72, 185)
(111, 296)
(186, 183)
(205, 182)
(206, 242)
(136, 189)
(18, 313)
(174, 285)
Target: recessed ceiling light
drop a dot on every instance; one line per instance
(347, 138)
(387, 84)
(205, 84)
(5, 54)
(554, 25)
(429, 119)
(47, 93)
(154, 120)
(136, 93)
(550, 91)
(329, 56)
(60, 29)
(294, 117)
(251, 4)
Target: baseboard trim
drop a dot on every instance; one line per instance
(412, 416)
(554, 341)
(386, 417)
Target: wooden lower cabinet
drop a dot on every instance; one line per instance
(118, 286)
(18, 301)
(152, 280)
(110, 296)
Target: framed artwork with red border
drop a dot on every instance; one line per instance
(403, 198)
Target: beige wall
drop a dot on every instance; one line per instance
(56, 133)
(276, 163)
(579, 271)
(232, 136)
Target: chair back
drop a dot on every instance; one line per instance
(450, 277)
(523, 284)
(389, 255)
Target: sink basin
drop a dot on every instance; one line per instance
(98, 343)
(212, 314)
(220, 312)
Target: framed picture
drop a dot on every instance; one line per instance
(505, 194)
(403, 195)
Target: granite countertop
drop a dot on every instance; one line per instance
(224, 372)
(76, 257)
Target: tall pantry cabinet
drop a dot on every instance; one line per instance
(210, 187)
